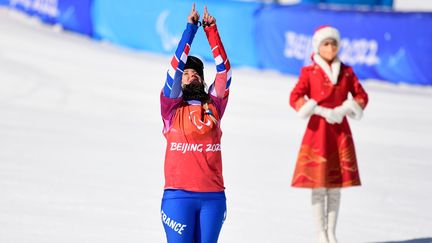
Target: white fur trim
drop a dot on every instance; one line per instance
(355, 110)
(322, 34)
(333, 72)
(307, 109)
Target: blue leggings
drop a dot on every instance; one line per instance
(193, 217)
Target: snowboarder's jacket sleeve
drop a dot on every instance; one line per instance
(221, 84)
(172, 87)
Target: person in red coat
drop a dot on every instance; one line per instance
(327, 159)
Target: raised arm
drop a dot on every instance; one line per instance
(221, 84)
(172, 87)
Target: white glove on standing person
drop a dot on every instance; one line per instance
(354, 110)
(350, 108)
(330, 115)
(342, 110)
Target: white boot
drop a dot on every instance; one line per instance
(318, 206)
(333, 202)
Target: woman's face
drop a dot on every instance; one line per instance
(190, 75)
(328, 49)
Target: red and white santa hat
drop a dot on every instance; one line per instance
(322, 33)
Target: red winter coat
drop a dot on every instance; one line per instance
(327, 156)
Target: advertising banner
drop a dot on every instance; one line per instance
(385, 3)
(70, 14)
(157, 26)
(379, 45)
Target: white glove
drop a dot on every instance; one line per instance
(353, 109)
(330, 115)
(342, 110)
(307, 109)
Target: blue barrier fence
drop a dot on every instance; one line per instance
(72, 15)
(388, 45)
(380, 45)
(385, 3)
(158, 25)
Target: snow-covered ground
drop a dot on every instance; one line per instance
(81, 149)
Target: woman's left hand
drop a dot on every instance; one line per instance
(208, 20)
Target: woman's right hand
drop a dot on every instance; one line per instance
(193, 15)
